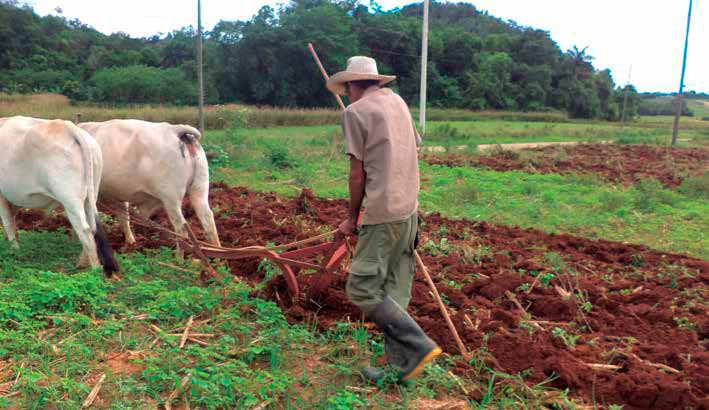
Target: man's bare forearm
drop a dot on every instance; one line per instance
(357, 180)
(356, 183)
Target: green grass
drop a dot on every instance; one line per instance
(62, 330)
(670, 220)
(700, 108)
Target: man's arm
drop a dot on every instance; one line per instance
(356, 183)
(357, 180)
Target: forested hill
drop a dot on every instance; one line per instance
(475, 60)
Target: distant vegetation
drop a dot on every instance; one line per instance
(477, 61)
(664, 104)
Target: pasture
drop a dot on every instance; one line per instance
(576, 276)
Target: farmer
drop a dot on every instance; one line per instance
(381, 144)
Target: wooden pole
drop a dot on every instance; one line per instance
(324, 73)
(625, 95)
(424, 60)
(444, 311)
(678, 112)
(200, 73)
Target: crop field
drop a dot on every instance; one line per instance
(576, 276)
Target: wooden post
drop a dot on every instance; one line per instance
(200, 73)
(681, 80)
(324, 73)
(424, 60)
(625, 96)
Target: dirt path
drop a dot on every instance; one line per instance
(513, 147)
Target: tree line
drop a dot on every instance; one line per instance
(476, 61)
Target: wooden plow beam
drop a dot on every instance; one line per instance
(286, 260)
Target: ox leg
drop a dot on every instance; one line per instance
(124, 220)
(7, 213)
(200, 203)
(174, 213)
(77, 218)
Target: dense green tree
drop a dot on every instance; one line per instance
(476, 60)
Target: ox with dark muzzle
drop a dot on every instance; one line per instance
(47, 163)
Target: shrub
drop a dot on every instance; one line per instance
(695, 187)
(279, 156)
(650, 193)
(142, 84)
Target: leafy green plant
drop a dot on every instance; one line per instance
(569, 339)
(440, 248)
(279, 156)
(685, 323)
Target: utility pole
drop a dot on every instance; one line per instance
(625, 95)
(200, 74)
(681, 80)
(424, 59)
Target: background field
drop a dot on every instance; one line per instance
(63, 329)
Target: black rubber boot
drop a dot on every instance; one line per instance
(412, 348)
(396, 360)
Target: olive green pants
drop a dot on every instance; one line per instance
(383, 264)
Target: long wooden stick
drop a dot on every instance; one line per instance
(444, 311)
(324, 73)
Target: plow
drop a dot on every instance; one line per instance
(290, 258)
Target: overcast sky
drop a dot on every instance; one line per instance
(647, 34)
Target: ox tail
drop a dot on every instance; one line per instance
(185, 131)
(104, 250)
(93, 167)
(189, 138)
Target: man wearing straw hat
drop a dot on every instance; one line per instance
(381, 144)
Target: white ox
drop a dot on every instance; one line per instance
(150, 165)
(46, 163)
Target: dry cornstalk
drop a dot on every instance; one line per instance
(183, 383)
(194, 324)
(191, 334)
(360, 389)
(534, 283)
(178, 268)
(603, 366)
(187, 331)
(651, 364)
(511, 296)
(469, 322)
(19, 372)
(458, 381)
(198, 341)
(263, 405)
(94, 392)
(562, 292)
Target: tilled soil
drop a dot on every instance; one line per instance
(617, 163)
(641, 311)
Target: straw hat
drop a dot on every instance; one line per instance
(358, 68)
